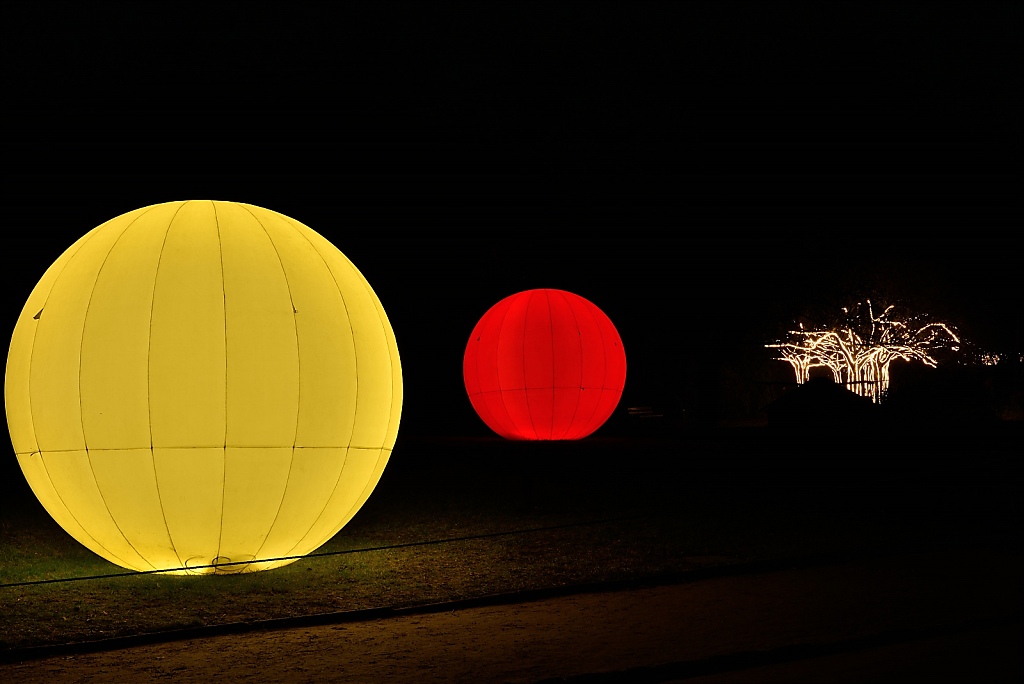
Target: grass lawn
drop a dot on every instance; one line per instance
(512, 516)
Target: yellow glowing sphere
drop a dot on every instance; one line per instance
(201, 383)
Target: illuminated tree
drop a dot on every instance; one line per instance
(859, 347)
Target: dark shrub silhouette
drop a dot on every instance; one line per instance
(948, 396)
(820, 403)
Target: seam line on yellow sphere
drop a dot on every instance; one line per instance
(372, 483)
(224, 296)
(56, 490)
(149, 387)
(81, 403)
(355, 406)
(384, 325)
(298, 403)
(384, 329)
(67, 509)
(212, 446)
(35, 329)
(369, 486)
(348, 318)
(38, 318)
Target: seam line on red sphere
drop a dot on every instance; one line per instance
(501, 331)
(595, 320)
(529, 408)
(579, 338)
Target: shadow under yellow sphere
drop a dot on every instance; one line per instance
(201, 383)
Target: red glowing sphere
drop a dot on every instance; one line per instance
(544, 365)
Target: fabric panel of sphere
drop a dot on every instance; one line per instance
(544, 365)
(202, 382)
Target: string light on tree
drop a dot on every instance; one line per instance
(858, 349)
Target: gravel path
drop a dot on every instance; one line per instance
(913, 617)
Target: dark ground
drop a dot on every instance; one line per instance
(905, 553)
(902, 618)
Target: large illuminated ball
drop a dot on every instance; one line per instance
(544, 365)
(201, 383)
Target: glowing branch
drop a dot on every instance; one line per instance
(859, 349)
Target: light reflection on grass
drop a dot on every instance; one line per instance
(703, 502)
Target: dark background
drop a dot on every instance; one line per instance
(702, 171)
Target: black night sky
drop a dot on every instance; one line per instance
(703, 172)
